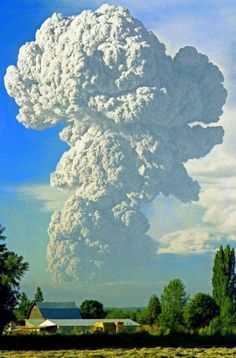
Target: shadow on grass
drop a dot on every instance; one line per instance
(123, 340)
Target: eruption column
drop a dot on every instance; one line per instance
(130, 112)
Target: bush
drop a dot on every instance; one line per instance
(214, 328)
(200, 310)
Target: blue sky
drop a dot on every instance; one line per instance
(187, 234)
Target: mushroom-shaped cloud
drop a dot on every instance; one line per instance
(133, 116)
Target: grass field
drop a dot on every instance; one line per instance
(126, 353)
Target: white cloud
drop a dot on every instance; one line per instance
(218, 164)
(217, 205)
(217, 224)
(219, 202)
(193, 241)
(186, 242)
(51, 198)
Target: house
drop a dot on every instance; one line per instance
(53, 310)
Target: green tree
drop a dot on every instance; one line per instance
(224, 278)
(227, 316)
(23, 308)
(200, 310)
(92, 309)
(141, 316)
(173, 301)
(12, 268)
(38, 296)
(153, 310)
(213, 328)
(119, 313)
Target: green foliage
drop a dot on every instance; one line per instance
(173, 301)
(146, 316)
(224, 288)
(200, 310)
(119, 313)
(8, 301)
(92, 309)
(141, 316)
(227, 316)
(38, 297)
(213, 329)
(153, 310)
(224, 278)
(12, 268)
(23, 308)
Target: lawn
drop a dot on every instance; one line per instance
(129, 353)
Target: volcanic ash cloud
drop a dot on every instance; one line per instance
(130, 114)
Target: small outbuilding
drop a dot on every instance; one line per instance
(104, 325)
(53, 310)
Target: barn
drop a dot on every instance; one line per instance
(66, 316)
(53, 310)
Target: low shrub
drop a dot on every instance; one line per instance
(121, 340)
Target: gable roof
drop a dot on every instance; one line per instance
(56, 310)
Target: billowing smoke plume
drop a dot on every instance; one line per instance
(130, 115)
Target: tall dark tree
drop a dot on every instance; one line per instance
(224, 278)
(38, 297)
(153, 310)
(200, 310)
(173, 301)
(92, 309)
(12, 268)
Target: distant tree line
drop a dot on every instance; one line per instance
(176, 312)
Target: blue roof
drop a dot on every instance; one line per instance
(59, 310)
(46, 304)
